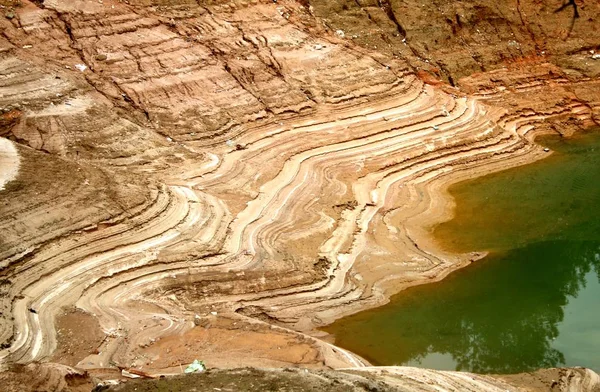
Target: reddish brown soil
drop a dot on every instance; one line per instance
(78, 335)
(224, 343)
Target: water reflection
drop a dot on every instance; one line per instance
(512, 311)
(521, 308)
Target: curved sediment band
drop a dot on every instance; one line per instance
(9, 162)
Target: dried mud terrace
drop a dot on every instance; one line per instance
(218, 180)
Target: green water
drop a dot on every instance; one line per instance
(534, 302)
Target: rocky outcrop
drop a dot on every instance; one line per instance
(455, 39)
(55, 377)
(374, 379)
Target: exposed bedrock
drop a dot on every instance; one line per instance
(180, 175)
(454, 39)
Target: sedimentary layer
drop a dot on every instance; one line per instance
(184, 171)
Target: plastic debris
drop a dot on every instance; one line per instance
(127, 374)
(27, 46)
(195, 367)
(81, 67)
(138, 373)
(107, 383)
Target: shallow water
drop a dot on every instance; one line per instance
(533, 302)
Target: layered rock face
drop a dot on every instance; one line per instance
(247, 171)
(454, 39)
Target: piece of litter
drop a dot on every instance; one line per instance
(81, 67)
(108, 382)
(195, 367)
(546, 149)
(27, 46)
(134, 373)
(125, 373)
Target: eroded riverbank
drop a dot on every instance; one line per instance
(530, 303)
(217, 180)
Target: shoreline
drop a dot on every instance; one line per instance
(356, 324)
(223, 180)
(420, 223)
(422, 212)
(426, 204)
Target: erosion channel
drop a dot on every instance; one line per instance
(532, 302)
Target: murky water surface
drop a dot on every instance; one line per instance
(533, 302)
